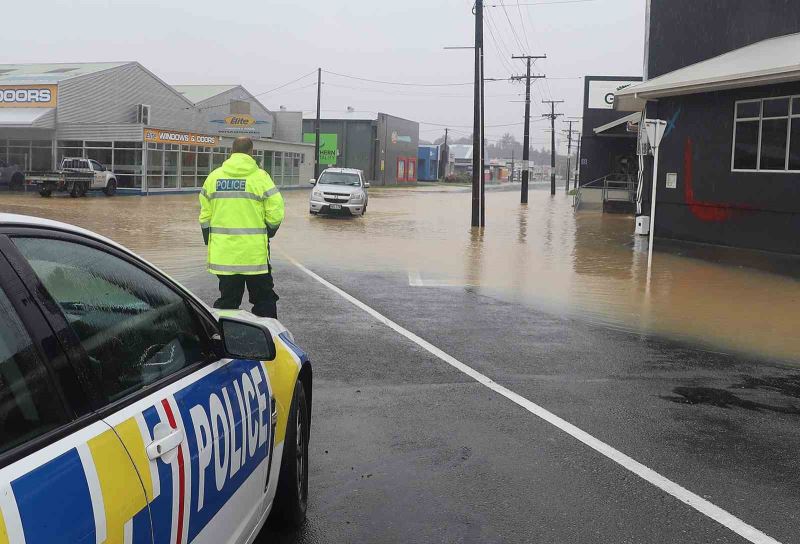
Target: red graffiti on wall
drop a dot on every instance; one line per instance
(704, 211)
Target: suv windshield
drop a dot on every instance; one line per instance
(340, 178)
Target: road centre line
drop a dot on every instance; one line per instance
(700, 504)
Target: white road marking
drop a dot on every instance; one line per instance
(415, 280)
(668, 486)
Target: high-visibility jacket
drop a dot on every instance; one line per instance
(241, 208)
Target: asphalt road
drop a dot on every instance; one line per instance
(406, 448)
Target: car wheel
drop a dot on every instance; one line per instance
(84, 188)
(291, 498)
(45, 192)
(17, 181)
(312, 212)
(75, 190)
(111, 188)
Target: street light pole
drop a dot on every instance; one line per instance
(317, 123)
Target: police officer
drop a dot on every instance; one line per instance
(240, 210)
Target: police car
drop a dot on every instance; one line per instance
(130, 412)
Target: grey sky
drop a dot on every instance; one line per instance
(263, 44)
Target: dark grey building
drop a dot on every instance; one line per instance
(725, 75)
(383, 146)
(607, 147)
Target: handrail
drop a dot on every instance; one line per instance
(606, 184)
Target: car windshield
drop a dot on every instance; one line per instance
(340, 178)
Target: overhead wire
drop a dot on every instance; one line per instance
(257, 94)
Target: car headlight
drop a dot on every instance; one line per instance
(357, 196)
(316, 194)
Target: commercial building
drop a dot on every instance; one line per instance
(156, 137)
(608, 147)
(428, 158)
(729, 165)
(382, 145)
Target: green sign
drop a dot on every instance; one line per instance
(328, 146)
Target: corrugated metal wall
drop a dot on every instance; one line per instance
(111, 96)
(100, 132)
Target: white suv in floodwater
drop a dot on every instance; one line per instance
(339, 190)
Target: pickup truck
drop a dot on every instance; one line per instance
(76, 176)
(11, 176)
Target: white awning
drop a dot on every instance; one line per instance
(771, 61)
(632, 118)
(27, 117)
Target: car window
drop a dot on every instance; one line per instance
(29, 406)
(97, 166)
(134, 328)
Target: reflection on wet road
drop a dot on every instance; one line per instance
(590, 265)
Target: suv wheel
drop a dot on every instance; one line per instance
(111, 188)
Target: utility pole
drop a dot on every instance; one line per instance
(477, 135)
(569, 154)
(316, 124)
(511, 179)
(444, 157)
(552, 116)
(578, 161)
(526, 145)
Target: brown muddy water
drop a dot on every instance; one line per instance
(589, 265)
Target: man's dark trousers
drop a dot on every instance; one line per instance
(260, 288)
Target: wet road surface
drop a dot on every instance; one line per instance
(699, 381)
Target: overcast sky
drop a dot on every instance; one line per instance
(263, 44)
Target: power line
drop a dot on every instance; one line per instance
(404, 84)
(257, 94)
(511, 25)
(542, 3)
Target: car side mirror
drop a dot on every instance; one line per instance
(312, 181)
(366, 184)
(244, 340)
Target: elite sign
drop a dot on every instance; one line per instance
(28, 96)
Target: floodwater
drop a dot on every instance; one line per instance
(587, 265)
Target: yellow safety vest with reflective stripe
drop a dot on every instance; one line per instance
(242, 208)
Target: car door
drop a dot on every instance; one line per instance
(99, 172)
(197, 427)
(65, 476)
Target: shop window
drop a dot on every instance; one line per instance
(171, 167)
(277, 168)
(128, 164)
(794, 142)
(767, 135)
(203, 165)
(401, 169)
(103, 156)
(98, 144)
(188, 167)
(155, 166)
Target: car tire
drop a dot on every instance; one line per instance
(291, 497)
(45, 192)
(111, 188)
(84, 188)
(17, 182)
(312, 212)
(75, 191)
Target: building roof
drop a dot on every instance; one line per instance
(27, 117)
(25, 74)
(201, 93)
(634, 117)
(775, 60)
(461, 151)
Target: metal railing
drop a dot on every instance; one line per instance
(611, 185)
